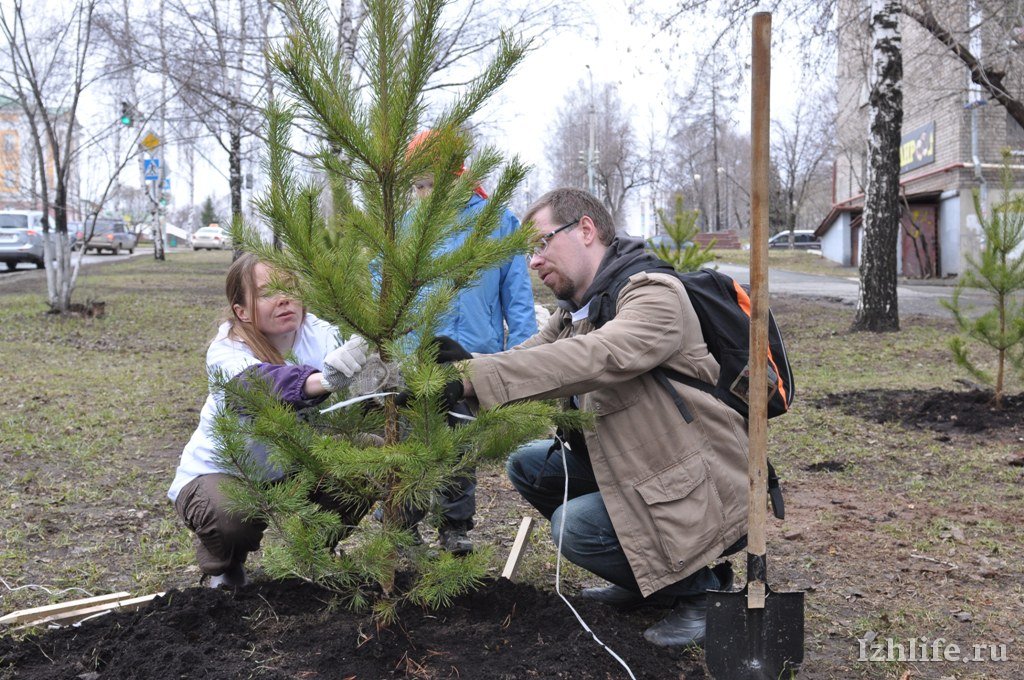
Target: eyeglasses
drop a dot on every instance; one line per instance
(541, 244)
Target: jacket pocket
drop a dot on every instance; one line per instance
(685, 508)
(607, 401)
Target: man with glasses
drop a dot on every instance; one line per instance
(653, 497)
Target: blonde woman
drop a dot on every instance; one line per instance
(261, 330)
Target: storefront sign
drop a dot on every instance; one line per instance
(917, 148)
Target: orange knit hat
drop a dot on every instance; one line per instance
(419, 138)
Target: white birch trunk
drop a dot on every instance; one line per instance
(877, 308)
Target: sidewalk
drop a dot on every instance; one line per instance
(916, 296)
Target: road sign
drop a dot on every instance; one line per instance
(167, 184)
(151, 169)
(149, 141)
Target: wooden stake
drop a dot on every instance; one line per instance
(757, 422)
(23, 615)
(66, 613)
(512, 564)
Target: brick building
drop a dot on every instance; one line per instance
(19, 166)
(952, 142)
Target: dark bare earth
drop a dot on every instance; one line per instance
(288, 630)
(938, 410)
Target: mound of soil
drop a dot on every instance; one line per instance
(289, 629)
(966, 412)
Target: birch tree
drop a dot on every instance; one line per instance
(878, 304)
(46, 72)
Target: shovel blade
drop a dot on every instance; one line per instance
(754, 644)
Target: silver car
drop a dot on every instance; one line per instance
(111, 236)
(21, 238)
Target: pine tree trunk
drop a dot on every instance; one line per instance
(877, 308)
(997, 399)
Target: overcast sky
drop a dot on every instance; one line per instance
(645, 64)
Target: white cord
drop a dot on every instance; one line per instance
(46, 590)
(558, 558)
(365, 397)
(561, 529)
(355, 400)
(558, 564)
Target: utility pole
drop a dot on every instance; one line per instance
(158, 223)
(714, 149)
(592, 114)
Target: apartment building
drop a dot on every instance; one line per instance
(952, 142)
(20, 184)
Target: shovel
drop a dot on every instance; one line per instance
(756, 632)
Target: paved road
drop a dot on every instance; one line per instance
(914, 298)
(90, 258)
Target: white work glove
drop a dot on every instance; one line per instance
(343, 363)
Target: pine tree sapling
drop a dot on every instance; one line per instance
(998, 271)
(374, 266)
(683, 253)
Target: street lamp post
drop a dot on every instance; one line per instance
(590, 125)
(718, 203)
(700, 198)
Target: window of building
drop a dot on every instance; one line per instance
(1014, 133)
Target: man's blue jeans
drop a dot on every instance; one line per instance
(588, 538)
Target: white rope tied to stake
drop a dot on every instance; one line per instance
(558, 565)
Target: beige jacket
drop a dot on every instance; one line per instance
(676, 492)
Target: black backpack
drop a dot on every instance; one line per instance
(723, 308)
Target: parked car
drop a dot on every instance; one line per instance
(667, 241)
(111, 236)
(75, 235)
(802, 238)
(21, 237)
(211, 238)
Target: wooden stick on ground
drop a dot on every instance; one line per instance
(34, 613)
(514, 557)
(66, 613)
(76, 615)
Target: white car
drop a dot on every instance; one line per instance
(211, 238)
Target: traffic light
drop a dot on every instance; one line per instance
(127, 111)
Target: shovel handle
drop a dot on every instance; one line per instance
(757, 422)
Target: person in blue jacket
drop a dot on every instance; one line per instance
(494, 314)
